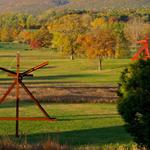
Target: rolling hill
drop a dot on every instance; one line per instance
(37, 6)
(32, 6)
(108, 4)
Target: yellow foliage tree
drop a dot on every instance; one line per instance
(61, 42)
(6, 35)
(98, 22)
(68, 28)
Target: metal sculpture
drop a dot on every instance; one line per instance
(18, 77)
(144, 50)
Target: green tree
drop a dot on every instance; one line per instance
(21, 21)
(122, 44)
(30, 22)
(134, 101)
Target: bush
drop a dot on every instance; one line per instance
(134, 101)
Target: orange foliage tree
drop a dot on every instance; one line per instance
(25, 36)
(35, 44)
(36, 39)
(42, 37)
(98, 44)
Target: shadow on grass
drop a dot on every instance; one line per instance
(95, 136)
(12, 104)
(92, 136)
(53, 77)
(77, 138)
(88, 117)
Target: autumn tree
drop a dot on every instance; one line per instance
(62, 45)
(43, 36)
(6, 34)
(21, 21)
(68, 29)
(13, 20)
(98, 44)
(35, 44)
(31, 22)
(25, 36)
(122, 44)
(136, 28)
(98, 22)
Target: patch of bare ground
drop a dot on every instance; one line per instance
(68, 94)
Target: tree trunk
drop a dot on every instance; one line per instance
(72, 54)
(100, 64)
(71, 57)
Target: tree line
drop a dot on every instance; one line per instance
(78, 33)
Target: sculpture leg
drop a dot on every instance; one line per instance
(7, 92)
(17, 95)
(36, 101)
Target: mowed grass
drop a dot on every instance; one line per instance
(61, 70)
(13, 46)
(77, 124)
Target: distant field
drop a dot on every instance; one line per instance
(61, 70)
(77, 124)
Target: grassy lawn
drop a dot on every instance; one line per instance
(63, 71)
(77, 124)
(13, 46)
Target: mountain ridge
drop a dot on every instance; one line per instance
(37, 6)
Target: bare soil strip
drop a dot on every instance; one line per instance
(69, 94)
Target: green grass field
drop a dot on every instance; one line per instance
(13, 46)
(77, 124)
(62, 71)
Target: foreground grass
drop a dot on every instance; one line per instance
(62, 71)
(7, 144)
(77, 125)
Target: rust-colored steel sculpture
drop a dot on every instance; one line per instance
(143, 50)
(18, 77)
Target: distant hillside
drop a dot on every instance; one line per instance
(108, 4)
(37, 6)
(31, 6)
